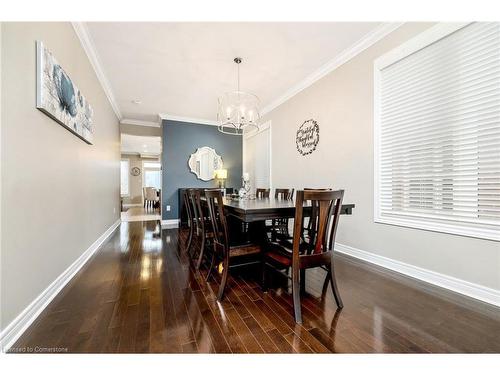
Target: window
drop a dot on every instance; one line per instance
(124, 182)
(437, 131)
(152, 164)
(152, 174)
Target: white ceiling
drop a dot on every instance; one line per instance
(140, 145)
(181, 68)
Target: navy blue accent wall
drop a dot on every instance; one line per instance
(180, 140)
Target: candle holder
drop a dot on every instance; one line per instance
(245, 190)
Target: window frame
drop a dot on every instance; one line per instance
(148, 168)
(128, 178)
(413, 45)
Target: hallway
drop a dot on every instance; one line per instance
(140, 214)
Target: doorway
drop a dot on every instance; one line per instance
(141, 178)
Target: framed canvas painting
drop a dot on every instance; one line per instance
(59, 98)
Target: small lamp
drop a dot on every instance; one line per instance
(221, 175)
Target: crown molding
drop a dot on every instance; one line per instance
(89, 48)
(128, 121)
(365, 42)
(166, 116)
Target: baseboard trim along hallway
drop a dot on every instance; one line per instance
(466, 288)
(171, 223)
(16, 328)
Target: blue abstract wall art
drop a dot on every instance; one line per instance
(58, 97)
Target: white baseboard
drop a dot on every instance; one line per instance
(171, 223)
(128, 205)
(16, 328)
(469, 289)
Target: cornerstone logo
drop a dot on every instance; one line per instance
(307, 137)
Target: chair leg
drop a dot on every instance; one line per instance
(212, 264)
(264, 281)
(335, 290)
(325, 284)
(190, 238)
(202, 251)
(302, 280)
(296, 295)
(223, 282)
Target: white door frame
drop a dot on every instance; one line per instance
(265, 126)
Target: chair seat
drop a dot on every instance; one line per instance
(279, 254)
(245, 249)
(287, 242)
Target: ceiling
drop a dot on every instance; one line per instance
(180, 69)
(135, 144)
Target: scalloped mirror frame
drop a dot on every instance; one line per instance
(217, 162)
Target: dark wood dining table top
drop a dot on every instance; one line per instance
(258, 209)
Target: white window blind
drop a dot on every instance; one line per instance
(437, 132)
(124, 179)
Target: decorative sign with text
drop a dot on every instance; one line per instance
(307, 137)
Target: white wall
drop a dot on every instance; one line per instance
(58, 194)
(342, 103)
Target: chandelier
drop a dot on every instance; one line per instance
(238, 111)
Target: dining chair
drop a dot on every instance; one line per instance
(202, 227)
(224, 250)
(324, 216)
(262, 193)
(144, 195)
(279, 227)
(189, 212)
(151, 197)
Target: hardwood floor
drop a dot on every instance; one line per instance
(137, 294)
(140, 214)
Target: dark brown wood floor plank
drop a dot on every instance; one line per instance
(139, 293)
(143, 333)
(264, 340)
(244, 333)
(279, 340)
(218, 340)
(199, 327)
(190, 347)
(257, 314)
(276, 321)
(128, 333)
(297, 344)
(228, 330)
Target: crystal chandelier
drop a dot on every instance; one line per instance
(238, 111)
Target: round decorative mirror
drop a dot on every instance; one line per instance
(204, 162)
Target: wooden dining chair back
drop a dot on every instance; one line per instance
(222, 247)
(323, 218)
(201, 227)
(189, 212)
(262, 193)
(217, 218)
(279, 227)
(308, 230)
(284, 194)
(323, 207)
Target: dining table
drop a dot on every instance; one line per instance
(261, 209)
(255, 212)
